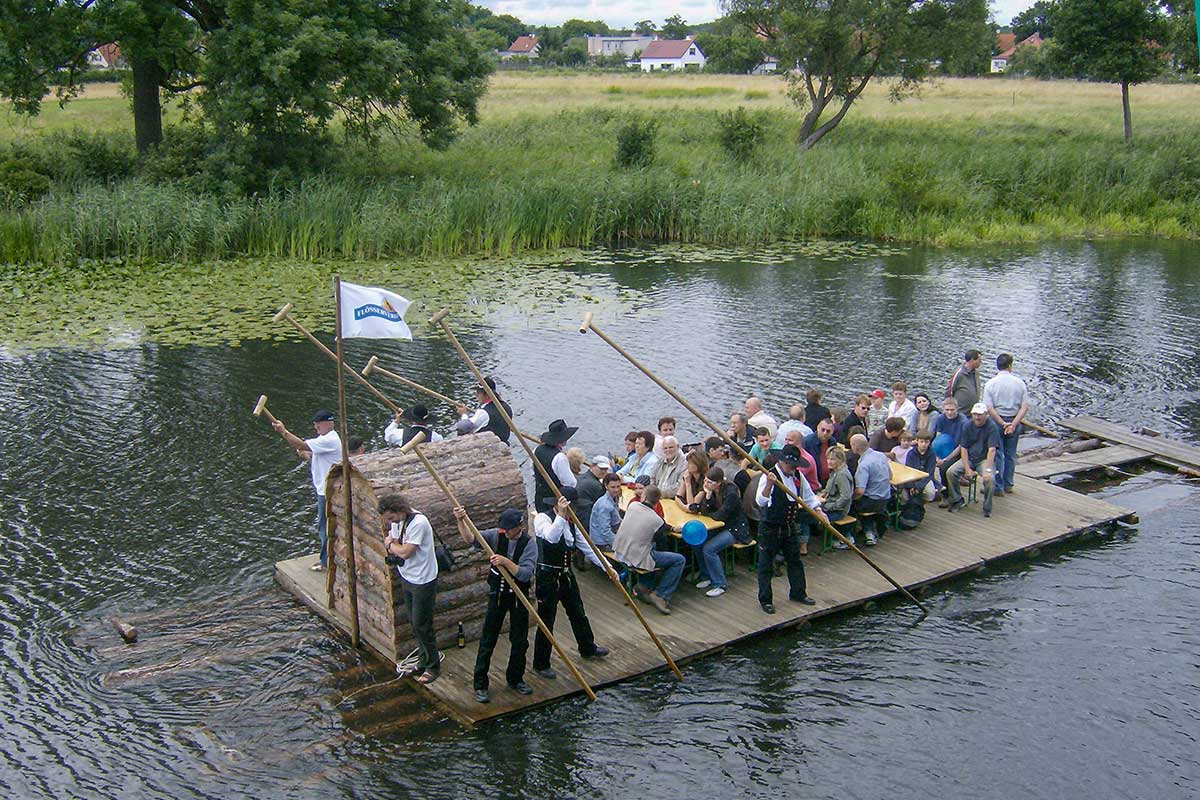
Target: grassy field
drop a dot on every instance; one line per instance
(967, 161)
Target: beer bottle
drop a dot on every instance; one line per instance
(462, 636)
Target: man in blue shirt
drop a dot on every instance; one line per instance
(977, 456)
(872, 485)
(950, 423)
(606, 513)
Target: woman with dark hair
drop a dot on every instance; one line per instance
(722, 501)
(927, 413)
(814, 412)
(410, 537)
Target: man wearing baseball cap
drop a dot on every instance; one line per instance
(326, 450)
(516, 554)
(977, 448)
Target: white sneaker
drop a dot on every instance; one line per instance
(840, 545)
(716, 591)
(703, 584)
(870, 540)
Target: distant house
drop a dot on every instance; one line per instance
(106, 56)
(768, 65)
(672, 54)
(526, 46)
(628, 46)
(1007, 45)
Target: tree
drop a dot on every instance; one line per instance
(644, 27)
(506, 25)
(576, 28)
(839, 47)
(273, 79)
(958, 36)
(674, 27)
(738, 53)
(1115, 41)
(1035, 19)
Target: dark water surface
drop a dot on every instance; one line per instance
(136, 480)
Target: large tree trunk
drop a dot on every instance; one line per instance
(1125, 112)
(147, 107)
(482, 473)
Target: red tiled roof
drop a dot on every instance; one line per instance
(523, 44)
(668, 48)
(1033, 40)
(111, 53)
(1005, 42)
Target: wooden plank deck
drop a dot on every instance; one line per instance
(944, 546)
(1111, 456)
(1171, 452)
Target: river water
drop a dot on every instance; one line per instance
(136, 481)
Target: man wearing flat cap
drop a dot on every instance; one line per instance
(326, 450)
(515, 553)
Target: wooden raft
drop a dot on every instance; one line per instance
(484, 476)
(1166, 452)
(1111, 456)
(944, 546)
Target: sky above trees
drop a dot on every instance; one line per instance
(623, 13)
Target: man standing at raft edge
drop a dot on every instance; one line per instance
(326, 450)
(1007, 401)
(964, 383)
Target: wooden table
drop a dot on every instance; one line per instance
(674, 513)
(903, 475)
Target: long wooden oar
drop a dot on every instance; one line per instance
(1040, 429)
(373, 366)
(589, 325)
(284, 315)
(413, 447)
(440, 319)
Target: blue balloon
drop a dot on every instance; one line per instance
(694, 532)
(943, 445)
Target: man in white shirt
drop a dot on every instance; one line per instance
(407, 424)
(757, 418)
(556, 582)
(794, 422)
(904, 408)
(666, 427)
(325, 450)
(551, 456)
(777, 529)
(1007, 399)
(410, 537)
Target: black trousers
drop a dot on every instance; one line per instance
(554, 588)
(418, 599)
(501, 603)
(774, 539)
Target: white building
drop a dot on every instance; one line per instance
(672, 54)
(526, 46)
(629, 46)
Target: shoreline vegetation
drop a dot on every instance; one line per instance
(969, 161)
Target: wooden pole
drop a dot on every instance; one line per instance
(413, 446)
(1040, 429)
(347, 521)
(284, 315)
(373, 366)
(260, 409)
(440, 319)
(589, 325)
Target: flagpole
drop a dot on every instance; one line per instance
(347, 520)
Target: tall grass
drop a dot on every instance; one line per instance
(547, 180)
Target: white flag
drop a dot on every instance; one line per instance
(372, 313)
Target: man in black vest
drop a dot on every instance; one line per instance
(551, 456)
(777, 530)
(487, 418)
(556, 583)
(415, 420)
(515, 553)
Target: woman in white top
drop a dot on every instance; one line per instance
(410, 537)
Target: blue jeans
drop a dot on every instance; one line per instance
(1006, 459)
(322, 533)
(672, 565)
(712, 568)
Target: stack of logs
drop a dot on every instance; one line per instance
(483, 475)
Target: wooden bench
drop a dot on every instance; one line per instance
(732, 552)
(629, 573)
(846, 525)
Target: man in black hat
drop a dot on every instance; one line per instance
(407, 424)
(556, 583)
(515, 553)
(777, 530)
(551, 456)
(322, 451)
(487, 418)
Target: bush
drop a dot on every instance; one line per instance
(740, 133)
(20, 184)
(635, 143)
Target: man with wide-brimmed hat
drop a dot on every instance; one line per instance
(487, 418)
(776, 531)
(407, 424)
(551, 456)
(323, 451)
(558, 538)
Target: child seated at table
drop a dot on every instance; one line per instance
(900, 452)
(877, 414)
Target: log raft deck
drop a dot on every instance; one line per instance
(944, 546)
